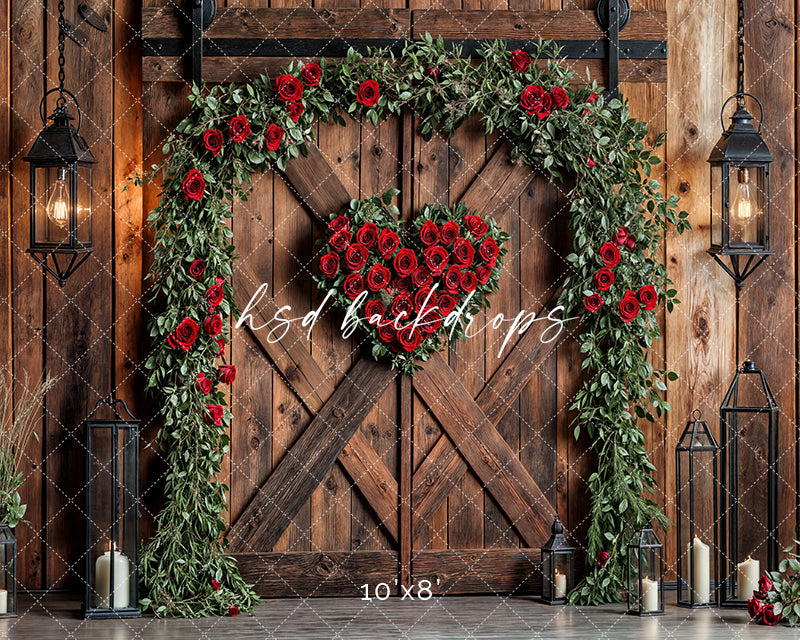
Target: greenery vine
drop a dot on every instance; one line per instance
(618, 219)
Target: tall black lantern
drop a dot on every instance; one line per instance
(8, 572)
(696, 519)
(748, 485)
(112, 512)
(646, 575)
(558, 567)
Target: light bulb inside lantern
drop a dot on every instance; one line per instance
(745, 204)
(58, 202)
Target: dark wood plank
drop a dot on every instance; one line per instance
(455, 571)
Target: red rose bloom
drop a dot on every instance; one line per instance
(469, 281)
(356, 256)
(590, 100)
(463, 252)
(429, 233)
(311, 74)
(446, 303)
(405, 262)
(295, 110)
(593, 304)
(197, 268)
(353, 285)
(531, 98)
(452, 278)
(420, 298)
(601, 558)
(520, 61)
(374, 311)
(477, 226)
(449, 232)
(288, 88)
(219, 281)
(402, 285)
(367, 234)
(387, 332)
(547, 105)
(388, 242)
(184, 335)
(560, 98)
(329, 264)
(764, 584)
(432, 72)
(482, 272)
(239, 128)
(212, 325)
(368, 93)
(213, 141)
(409, 337)
(431, 323)
(227, 374)
(378, 277)
(273, 137)
(214, 296)
(609, 254)
(215, 585)
(628, 306)
(214, 413)
(339, 223)
(604, 278)
(769, 617)
(193, 185)
(649, 300)
(755, 608)
(233, 610)
(220, 347)
(590, 163)
(435, 259)
(421, 277)
(402, 304)
(489, 250)
(630, 243)
(340, 240)
(203, 384)
(621, 236)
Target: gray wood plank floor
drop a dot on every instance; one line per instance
(453, 618)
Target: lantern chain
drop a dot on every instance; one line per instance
(62, 29)
(740, 54)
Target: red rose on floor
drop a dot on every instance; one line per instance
(203, 384)
(628, 306)
(649, 300)
(630, 243)
(214, 413)
(421, 297)
(449, 232)
(482, 272)
(367, 234)
(435, 259)
(402, 285)
(593, 302)
(227, 374)
(388, 242)
(754, 608)
(339, 223)
(532, 98)
(295, 110)
(329, 264)
(405, 262)
(215, 585)
(340, 240)
(609, 254)
(374, 311)
(409, 337)
(601, 558)
(421, 277)
(197, 268)
(604, 278)
(489, 250)
(378, 277)
(520, 61)
(214, 296)
(621, 236)
(288, 88)
(368, 93)
(233, 610)
(402, 305)
(452, 278)
(429, 233)
(184, 335)
(193, 185)
(477, 226)
(220, 347)
(387, 332)
(273, 137)
(764, 584)
(769, 617)
(446, 303)
(463, 252)
(469, 281)
(353, 285)
(356, 256)
(213, 141)
(212, 325)
(560, 98)
(238, 128)
(311, 74)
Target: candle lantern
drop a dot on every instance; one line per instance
(111, 451)
(8, 572)
(558, 566)
(748, 485)
(696, 518)
(646, 575)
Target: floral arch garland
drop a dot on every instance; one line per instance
(618, 220)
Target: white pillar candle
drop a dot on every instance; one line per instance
(561, 585)
(102, 580)
(649, 595)
(747, 574)
(700, 580)
(3, 601)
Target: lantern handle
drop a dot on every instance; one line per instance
(43, 104)
(696, 414)
(739, 97)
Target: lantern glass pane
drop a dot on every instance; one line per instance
(548, 588)
(716, 205)
(746, 205)
(8, 560)
(84, 222)
(51, 206)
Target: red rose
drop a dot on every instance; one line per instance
(420, 298)
(220, 347)
(482, 272)
(356, 256)
(649, 300)
(621, 236)
(446, 303)
(311, 74)
(469, 281)
(589, 162)
(340, 240)
(233, 610)
(628, 306)
(374, 311)
(340, 223)
(432, 72)
(421, 277)
(329, 264)
(353, 285)
(593, 304)
(215, 585)
(489, 250)
(477, 226)
(288, 88)
(591, 100)
(409, 337)
(194, 185)
(227, 374)
(388, 242)
(184, 335)
(452, 278)
(769, 617)
(429, 233)
(197, 268)
(405, 262)
(463, 252)
(630, 243)
(212, 325)
(449, 232)
(609, 254)
(273, 137)
(431, 323)
(387, 332)
(520, 61)
(213, 141)
(219, 281)
(560, 98)
(601, 558)
(295, 110)
(755, 608)
(531, 98)
(764, 584)
(367, 234)
(402, 305)
(435, 259)
(214, 413)
(378, 277)
(604, 278)
(402, 285)
(214, 295)
(239, 128)
(203, 384)
(368, 93)
(547, 105)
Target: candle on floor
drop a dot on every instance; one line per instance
(701, 570)
(747, 574)
(649, 595)
(102, 580)
(561, 585)
(3, 601)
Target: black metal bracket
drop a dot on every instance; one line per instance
(613, 15)
(90, 16)
(60, 273)
(76, 34)
(200, 14)
(737, 272)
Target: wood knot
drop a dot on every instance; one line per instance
(701, 328)
(429, 480)
(338, 412)
(684, 187)
(292, 372)
(488, 459)
(254, 442)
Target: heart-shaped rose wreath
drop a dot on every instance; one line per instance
(410, 290)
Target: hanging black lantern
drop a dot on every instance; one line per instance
(646, 575)
(60, 184)
(696, 519)
(748, 485)
(558, 567)
(111, 451)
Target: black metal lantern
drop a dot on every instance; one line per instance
(748, 485)
(112, 513)
(60, 184)
(646, 575)
(696, 519)
(8, 572)
(740, 186)
(558, 567)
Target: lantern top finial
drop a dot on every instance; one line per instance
(748, 366)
